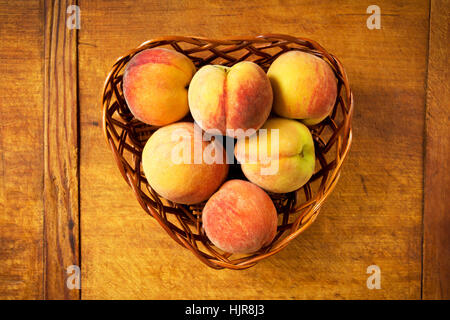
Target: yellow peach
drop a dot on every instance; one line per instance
(155, 85)
(172, 169)
(280, 158)
(304, 86)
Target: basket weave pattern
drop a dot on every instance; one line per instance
(127, 136)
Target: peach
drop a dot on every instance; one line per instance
(240, 217)
(237, 97)
(304, 86)
(155, 85)
(313, 121)
(280, 162)
(172, 169)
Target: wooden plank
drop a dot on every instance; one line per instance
(21, 153)
(436, 248)
(374, 216)
(61, 223)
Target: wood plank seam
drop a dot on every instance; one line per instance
(424, 151)
(436, 222)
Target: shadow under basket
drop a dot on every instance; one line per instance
(127, 136)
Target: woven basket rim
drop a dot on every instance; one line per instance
(216, 260)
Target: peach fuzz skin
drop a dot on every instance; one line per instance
(240, 217)
(155, 85)
(187, 182)
(296, 158)
(237, 97)
(304, 86)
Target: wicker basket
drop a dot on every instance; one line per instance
(126, 137)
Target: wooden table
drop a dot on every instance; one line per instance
(63, 202)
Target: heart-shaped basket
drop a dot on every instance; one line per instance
(127, 136)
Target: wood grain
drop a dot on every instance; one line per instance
(373, 217)
(436, 254)
(21, 150)
(61, 227)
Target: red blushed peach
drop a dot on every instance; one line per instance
(240, 217)
(230, 98)
(304, 86)
(155, 85)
